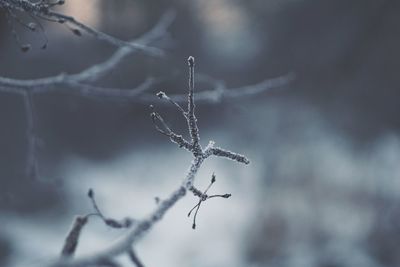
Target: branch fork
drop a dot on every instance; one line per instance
(141, 227)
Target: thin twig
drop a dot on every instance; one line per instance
(202, 198)
(219, 152)
(191, 118)
(134, 258)
(221, 92)
(80, 80)
(105, 37)
(166, 130)
(71, 242)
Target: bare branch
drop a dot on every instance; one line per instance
(191, 118)
(251, 90)
(163, 95)
(79, 80)
(105, 37)
(124, 245)
(134, 258)
(221, 92)
(71, 242)
(43, 10)
(219, 152)
(165, 130)
(82, 83)
(114, 93)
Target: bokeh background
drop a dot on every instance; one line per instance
(324, 183)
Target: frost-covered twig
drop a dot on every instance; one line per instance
(82, 83)
(143, 226)
(191, 117)
(176, 138)
(134, 258)
(43, 10)
(220, 152)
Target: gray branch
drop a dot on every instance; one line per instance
(82, 83)
(43, 10)
(134, 258)
(221, 92)
(142, 227)
(71, 242)
(219, 152)
(191, 117)
(79, 81)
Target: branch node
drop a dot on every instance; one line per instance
(202, 198)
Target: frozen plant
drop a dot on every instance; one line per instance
(140, 227)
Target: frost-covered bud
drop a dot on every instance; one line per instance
(161, 95)
(191, 61)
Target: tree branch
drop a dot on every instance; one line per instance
(79, 80)
(134, 258)
(43, 10)
(143, 226)
(191, 118)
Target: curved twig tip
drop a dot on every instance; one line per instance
(160, 95)
(191, 61)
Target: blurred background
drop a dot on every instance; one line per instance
(323, 185)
